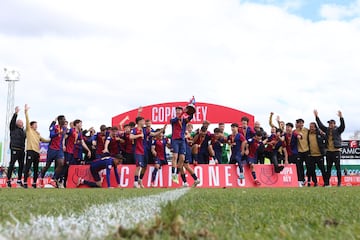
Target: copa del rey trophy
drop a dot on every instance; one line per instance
(190, 108)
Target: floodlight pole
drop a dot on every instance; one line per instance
(11, 76)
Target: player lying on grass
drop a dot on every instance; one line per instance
(100, 164)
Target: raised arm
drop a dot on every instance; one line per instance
(27, 117)
(13, 119)
(318, 121)
(52, 129)
(271, 120)
(342, 122)
(121, 124)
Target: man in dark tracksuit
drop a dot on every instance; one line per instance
(333, 145)
(317, 140)
(17, 147)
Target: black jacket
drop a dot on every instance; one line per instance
(321, 141)
(17, 135)
(336, 132)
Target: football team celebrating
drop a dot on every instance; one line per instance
(138, 143)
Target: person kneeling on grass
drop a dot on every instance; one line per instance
(100, 164)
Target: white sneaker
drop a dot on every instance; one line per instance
(141, 183)
(136, 185)
(301, 184)
(185, 185)
(197, 182)
(241, 176)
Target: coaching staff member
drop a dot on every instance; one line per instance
(333, 145)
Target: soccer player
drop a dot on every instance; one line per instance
(317, 145)
(274, 146)
(55, 150)
(33, 140)
(216, 144)
(138, 137)
(237, 142)
(201, 146)
(73, 144)
(225, 149)
(189, 142)
(149, 137)
(253, 145)
(333, 145)
(100, 164)
(128, 145)
(291, 140)
(112, 144)
(158, 149)
(99, 140)
(246, 131)
(178, 141)
(17, 147)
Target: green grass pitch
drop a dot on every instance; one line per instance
(299, 213)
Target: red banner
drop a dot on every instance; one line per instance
(3, 182)
(211, 176)
(162, 113)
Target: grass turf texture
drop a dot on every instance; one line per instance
(22, 203)
(307, 213)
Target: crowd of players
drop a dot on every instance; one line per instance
(138, 143)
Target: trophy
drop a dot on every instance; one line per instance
(190, 108)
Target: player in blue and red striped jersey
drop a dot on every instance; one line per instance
(139, 136)
(275, 144)
(112, 145)
(55, 150)
(178, 142)
(99, 140)
(158, 149)
(127, 150)
(216, 145)
(201, 146)
(73, 139)
(252, 158)
(96, 166)
(149, 139)
(237, 142)
(291, 140)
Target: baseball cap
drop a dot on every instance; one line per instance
(331, 121)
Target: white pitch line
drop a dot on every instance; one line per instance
(96, 222)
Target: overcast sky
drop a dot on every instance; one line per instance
(95, 59)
